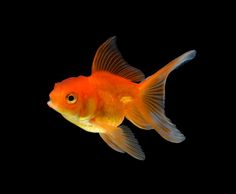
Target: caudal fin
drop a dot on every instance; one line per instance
(151, 111)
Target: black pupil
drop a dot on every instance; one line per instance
(71, 98)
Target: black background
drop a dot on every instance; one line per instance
(56, 43)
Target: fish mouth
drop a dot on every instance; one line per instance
(51, 105)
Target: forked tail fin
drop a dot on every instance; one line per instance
(150, 110)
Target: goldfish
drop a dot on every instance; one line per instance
(115, 90)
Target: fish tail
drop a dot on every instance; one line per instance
(148, 111)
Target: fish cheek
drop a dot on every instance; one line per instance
(77, 109)
(71, 109)
(91, 106)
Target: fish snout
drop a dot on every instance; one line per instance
(49, 103)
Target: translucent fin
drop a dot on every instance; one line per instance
(153, 96)
(109, 142)
(176, 63)
(124, 139)
(108, 58)
(134, 116)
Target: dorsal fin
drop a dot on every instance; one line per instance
(108, 58)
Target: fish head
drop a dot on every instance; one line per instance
(74, 97)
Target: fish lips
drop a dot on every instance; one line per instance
(51, 105)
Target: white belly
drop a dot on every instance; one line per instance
(83, 123)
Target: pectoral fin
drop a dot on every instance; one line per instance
(122, 139)
(109, 142)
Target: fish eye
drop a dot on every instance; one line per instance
(71, 98)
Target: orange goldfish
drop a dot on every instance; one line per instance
(114, 91)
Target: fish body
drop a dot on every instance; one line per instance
(114, 91)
